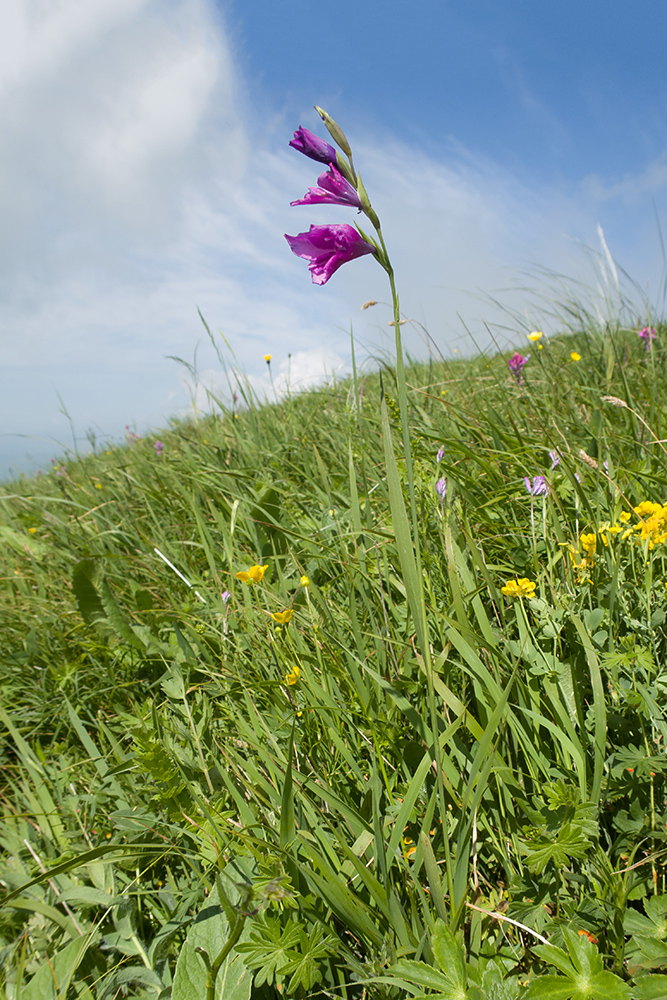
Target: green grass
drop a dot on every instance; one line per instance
(453, 777)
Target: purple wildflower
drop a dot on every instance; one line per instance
(647, 335)
(62, 471)
(326, 248)
(333, 189)
(538, 488)
(516, 363)
(311, 145)
(441, 488)
(225, 596)
(555, 459)
(441, 454)
(159, 448)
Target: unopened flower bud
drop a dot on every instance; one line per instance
(335, 131)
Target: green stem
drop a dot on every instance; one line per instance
(456, 908)
(213, 970)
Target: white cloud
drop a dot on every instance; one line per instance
(132, 193)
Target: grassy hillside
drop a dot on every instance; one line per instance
(418, 744)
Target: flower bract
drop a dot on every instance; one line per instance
(519, 588)
(311, 145)
(326, 248)
(254, 575)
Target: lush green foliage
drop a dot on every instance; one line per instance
(411, 786)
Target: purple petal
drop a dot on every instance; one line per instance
(333, 190)
(326, 248)
(311, 145)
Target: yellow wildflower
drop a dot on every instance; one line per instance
(409, 847)
(574, 356)
(624, 517)
(653, 526)
(535, 336)
(647, 508)
(304, 581)
(589, 543)
(282, 617)
(519, 588)
(267, 358)
(254, 575)
(33, 531)
(293, 677)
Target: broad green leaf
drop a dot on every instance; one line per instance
(210, 931)
(650, 988)
(53, 979)
(450, 954)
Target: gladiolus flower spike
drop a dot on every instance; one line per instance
(326, 248)
(647, 335)
(516, 363)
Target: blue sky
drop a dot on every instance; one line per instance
(146, 173)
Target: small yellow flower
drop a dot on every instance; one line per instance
(574, 356)
(293, 677)
(589, 543)
(519, 588)
(304, 581)
(535, 336)
(267, 358)
(98, 486)
(254, 575)
(33, 531)
(282, 617)
(539, 347)
(409, 847)
(624, 517)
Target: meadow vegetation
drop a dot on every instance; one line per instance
(287, 715)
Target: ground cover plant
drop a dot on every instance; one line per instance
(360, 693)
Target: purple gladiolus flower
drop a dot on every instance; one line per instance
(311, 145)
(333, 189)
(647, 335)
(516, 363)
(441, 488)
(539, 486)
(326, 248)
